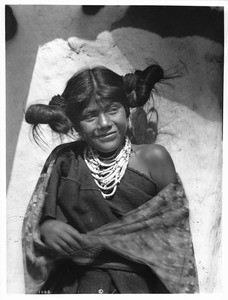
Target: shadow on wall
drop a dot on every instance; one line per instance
(10, 23)
(176, 21)
(170, 21)
(162, 20)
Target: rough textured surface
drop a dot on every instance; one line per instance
(46, 51)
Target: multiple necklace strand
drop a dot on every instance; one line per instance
(107, 172)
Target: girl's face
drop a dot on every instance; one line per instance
(103, 126)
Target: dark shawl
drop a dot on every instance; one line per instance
(156, 234)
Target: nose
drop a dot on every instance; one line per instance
(104, 121)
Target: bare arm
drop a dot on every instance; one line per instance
(161, 166)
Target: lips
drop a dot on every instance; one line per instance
(106, 135)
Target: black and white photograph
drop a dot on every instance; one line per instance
(114, 118)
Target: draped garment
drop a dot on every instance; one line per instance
(155, 234)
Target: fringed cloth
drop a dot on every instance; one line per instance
(156, 234)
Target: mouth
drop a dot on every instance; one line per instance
(106, 135)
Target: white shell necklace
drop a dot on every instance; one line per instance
(107, 172)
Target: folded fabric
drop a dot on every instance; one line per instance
(156, 234)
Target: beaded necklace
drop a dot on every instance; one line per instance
(107, 172)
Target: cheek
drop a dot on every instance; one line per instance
(84, 129)
(123, 120)
(122, 126)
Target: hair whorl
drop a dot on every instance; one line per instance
(43, 114)
(139, 85)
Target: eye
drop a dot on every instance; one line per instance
(113, 109)
(89, 116)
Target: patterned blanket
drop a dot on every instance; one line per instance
(156, 234)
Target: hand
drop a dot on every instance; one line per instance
(60, 236)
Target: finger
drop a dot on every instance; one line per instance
(69, 235)
(63, 247)
(74, 233)
(68, 230)
(71, 242)
(59, 249)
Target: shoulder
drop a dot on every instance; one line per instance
(155, 152)
(64, 154)
(159, 163)
(66, 149)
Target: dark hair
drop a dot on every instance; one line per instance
(99, 83)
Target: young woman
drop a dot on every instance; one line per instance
(102, 181)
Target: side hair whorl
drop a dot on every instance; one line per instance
(43, 114)
(139, 85)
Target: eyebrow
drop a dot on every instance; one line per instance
(86, 111)
(93, 110)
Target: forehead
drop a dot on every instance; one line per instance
(95, 104)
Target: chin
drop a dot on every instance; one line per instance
(106, 149)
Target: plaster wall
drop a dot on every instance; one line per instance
(51, 44)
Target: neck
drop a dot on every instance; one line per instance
(113, 153)
(108, 154)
